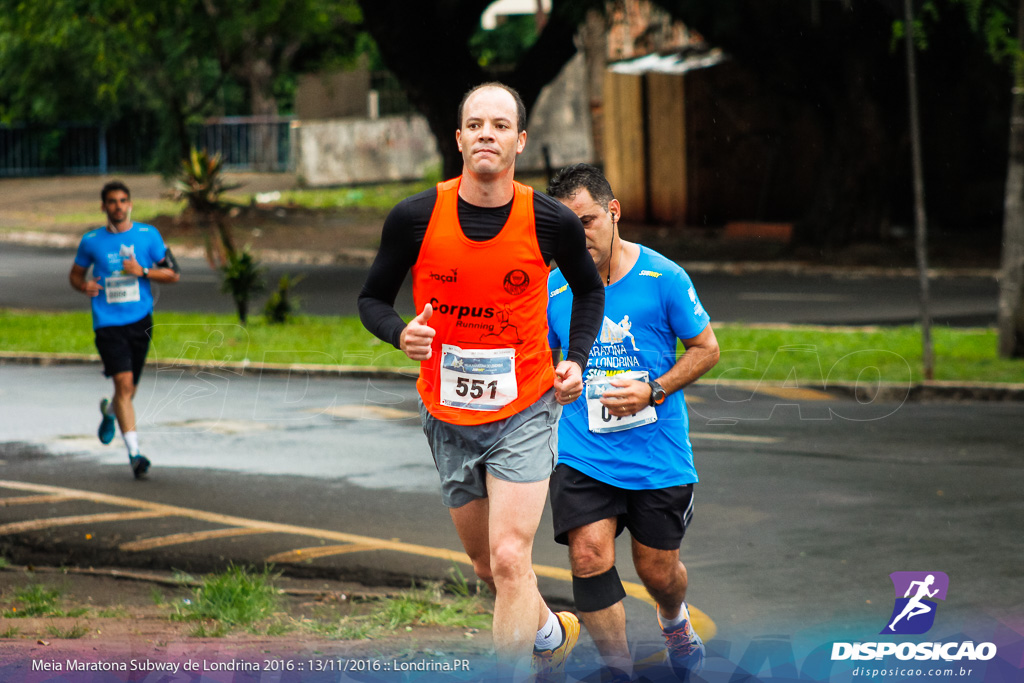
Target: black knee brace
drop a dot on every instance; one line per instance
(595, 593)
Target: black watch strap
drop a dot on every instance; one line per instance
(658, 393)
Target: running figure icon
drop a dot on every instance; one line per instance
(915, 607)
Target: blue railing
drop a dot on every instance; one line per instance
(246, 143)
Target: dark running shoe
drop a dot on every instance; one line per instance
(685, 649)
(107, 427)
(140, 465)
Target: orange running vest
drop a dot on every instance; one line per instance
(484, 295)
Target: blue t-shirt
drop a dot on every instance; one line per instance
(645, 313)
(124, 299)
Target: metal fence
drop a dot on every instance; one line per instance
(246, 143)
(70, 149)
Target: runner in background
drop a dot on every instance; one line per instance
(125, 258)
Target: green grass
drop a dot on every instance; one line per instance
(37, 600)
(239, 596)
(381, 196)
(810, 356)
(431, 605)
(143, 210)
(70, 633)
(10, 632)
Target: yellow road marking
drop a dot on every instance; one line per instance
(177, 539)
(703, 623)
(734, 437)
(37, 524)
(367, 412)
(316, 551)
(28, 500)
(794, 393)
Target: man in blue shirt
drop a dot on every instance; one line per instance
(624, 453)
(125, 257)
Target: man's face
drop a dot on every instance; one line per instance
(597, 224)
(488, 138)
(117, 206)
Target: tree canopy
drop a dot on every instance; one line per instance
(173, 60)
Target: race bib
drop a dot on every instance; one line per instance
(600, 421)
(478, 379)
(122, 289)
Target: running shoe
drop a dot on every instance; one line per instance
(107, 427)
(685, 649)
(553, 661)
(140, 465)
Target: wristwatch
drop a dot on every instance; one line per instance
(145, 272)
(657, 393)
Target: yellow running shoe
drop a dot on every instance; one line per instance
(553, 661)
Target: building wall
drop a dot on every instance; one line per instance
(352, 151)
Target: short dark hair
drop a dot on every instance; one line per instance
(571, 179)
(520, 107)
(111, 187)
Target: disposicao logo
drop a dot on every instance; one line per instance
(912, 614)
(916, 592)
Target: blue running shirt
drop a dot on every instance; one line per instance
(645, 313)
(124, 299)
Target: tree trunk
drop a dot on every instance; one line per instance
(920, 217)
(1011, 275)
(259, 75)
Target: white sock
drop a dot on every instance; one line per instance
(131, 440)
(550, 634)
(668, 624)
(110, 408)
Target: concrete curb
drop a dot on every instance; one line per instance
(865, 393)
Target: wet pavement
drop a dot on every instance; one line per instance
(807, 502)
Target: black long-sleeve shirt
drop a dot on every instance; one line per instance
(559, 235)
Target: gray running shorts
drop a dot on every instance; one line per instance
(522, 448)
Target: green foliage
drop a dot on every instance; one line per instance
(505, 44)
(242, 277)
(281, 304)
(10, 632)
(200, 183)
(239, 596)
(175, 60)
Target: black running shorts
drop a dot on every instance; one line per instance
(657, 518)
(123, 348)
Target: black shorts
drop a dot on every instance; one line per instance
(123, 348)
(657, 518)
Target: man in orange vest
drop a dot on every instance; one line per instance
(479, 247)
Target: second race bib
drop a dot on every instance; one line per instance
(599, 420)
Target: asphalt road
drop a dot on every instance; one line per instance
(33, 277)
(806, 504)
